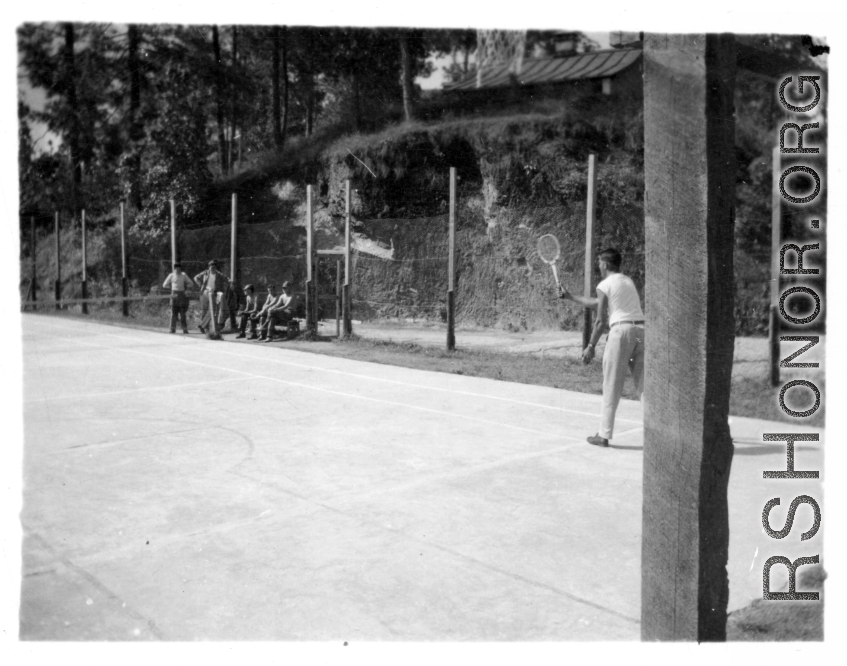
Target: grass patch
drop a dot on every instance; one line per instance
(756, 398)
(779, 621)
(562, 373)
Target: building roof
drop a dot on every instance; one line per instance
(538, 71)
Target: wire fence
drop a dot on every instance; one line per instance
(399, 265)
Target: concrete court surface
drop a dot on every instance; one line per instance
(176, 488)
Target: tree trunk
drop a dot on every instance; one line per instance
(284, 74)
(136, 130)
(275, 121)
(310, 106)
(357, 115)
(408, 88)
(219, 99)
(73, 105)
(233, 113)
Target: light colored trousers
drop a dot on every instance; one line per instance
(624, 351)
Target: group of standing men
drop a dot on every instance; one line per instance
(218, 298)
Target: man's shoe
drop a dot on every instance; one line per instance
(266, 339)
(596, 440)
(185, 331)
(172, 331)
(202, 330)
(254, 337)
(240, 335)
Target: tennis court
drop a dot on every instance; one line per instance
(179, 489)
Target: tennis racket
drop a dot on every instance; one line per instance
(548, 250)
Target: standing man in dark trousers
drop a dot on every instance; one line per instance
(211, 283)
(619, 312)
(178, 283)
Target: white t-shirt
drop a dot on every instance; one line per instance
(623, 298)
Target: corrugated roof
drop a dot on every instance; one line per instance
(537, 71)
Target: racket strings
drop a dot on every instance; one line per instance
(548, 248)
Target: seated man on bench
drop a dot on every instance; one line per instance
(251, 308)
(260, 318)
(281, 312)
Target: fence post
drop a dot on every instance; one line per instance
(58, 285)
(233, 244)
(311, 324)
(84, 271)
(124, 281)
(590, 213)
(451, 265)
(776, 233)
(174, 255)
(338, 298)
(348, 323)
(34, 286)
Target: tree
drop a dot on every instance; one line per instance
(75, 65)
(280, 76)
(219, 100)
(406, 75)
(176, 152)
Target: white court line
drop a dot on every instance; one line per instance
(341, 393)
(401, 383)
(85, 396)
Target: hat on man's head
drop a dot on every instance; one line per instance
(177, 264)
(286, 285)
(213, 263)
(248, 287)
(271, 286)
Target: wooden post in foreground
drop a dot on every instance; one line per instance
(451, 265)
(311, 323)
(346, 307)
(689, 168)
(124, 280)
(34, 287)
(590, 212)
(776, 238)
(84, 267)
(58, 285)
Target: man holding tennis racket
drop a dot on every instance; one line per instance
(619, 312)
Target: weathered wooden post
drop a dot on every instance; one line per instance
(84, 269)
(590, 212)
(34, 287)
(233, 244)
(338, 298)
(689, 165)
(451, 265)
(174, 253)
(58, 285)
(124, 280)
(348, 268)
(776, 239)
(311, 323)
